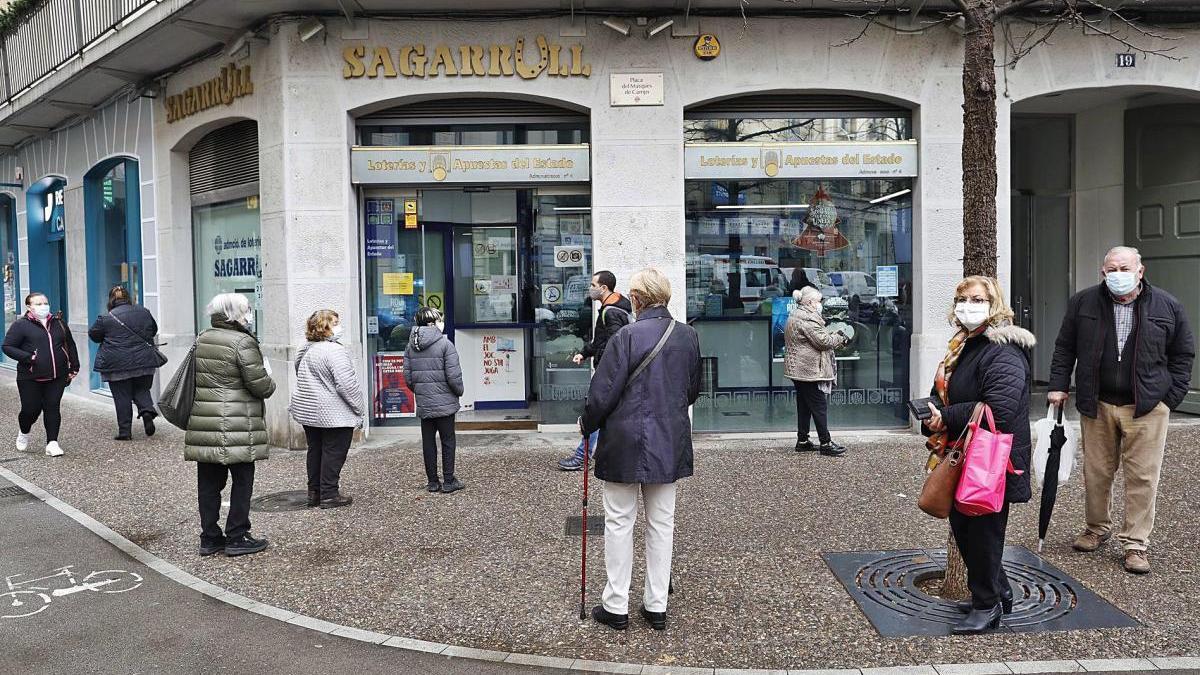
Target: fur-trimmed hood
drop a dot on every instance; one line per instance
(1008, 334)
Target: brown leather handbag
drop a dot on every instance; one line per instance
(937, 495)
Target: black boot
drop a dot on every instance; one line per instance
(831, 449)
(614, 621)
(1006, 601)
(314, 497)
(979, 620)
(805, 445)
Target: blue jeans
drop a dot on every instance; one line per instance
(595, 438)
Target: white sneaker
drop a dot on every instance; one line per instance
(52, 449)
(22, 441)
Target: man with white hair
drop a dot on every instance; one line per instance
(1131, 349)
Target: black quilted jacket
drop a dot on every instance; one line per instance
(994, 368)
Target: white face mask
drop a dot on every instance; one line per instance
(41, 310)
(1121, 283)
(249, 321)
(337, 332)
(972, 315)
(441, 326)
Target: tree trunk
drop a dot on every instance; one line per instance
(979, 192)
(954, 585)
(979, 140)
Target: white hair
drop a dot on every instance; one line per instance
(1124, 250)
(233, 306)
(806, 293)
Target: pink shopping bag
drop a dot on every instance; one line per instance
(981, 488)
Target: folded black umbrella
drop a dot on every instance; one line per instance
(1058, 438)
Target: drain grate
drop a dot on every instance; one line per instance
(13, 491)
(292, 500)
(575, 526)
(884, 584)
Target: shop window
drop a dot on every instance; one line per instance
(227, 254)
(750, 244)
(797, 129)
(13, 303)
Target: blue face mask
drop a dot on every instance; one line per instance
(1121, 283)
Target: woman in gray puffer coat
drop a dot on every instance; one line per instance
(432, 370)
(327, 402)
(808, 362)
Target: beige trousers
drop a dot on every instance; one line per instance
(1115, 439)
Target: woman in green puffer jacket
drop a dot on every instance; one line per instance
(227, 432)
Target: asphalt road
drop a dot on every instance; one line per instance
(155, 625)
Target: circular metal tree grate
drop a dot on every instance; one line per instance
(894, 582)
(888, 587)
(292, 500)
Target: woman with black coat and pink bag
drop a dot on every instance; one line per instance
(986, 363)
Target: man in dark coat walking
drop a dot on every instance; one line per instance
(615, 313)
(1131, 349)
(639, 400)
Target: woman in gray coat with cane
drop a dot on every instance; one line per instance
(639, 400)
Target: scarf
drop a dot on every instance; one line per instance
(937, 443)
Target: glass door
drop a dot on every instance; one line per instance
(114, 238)
(561, 269)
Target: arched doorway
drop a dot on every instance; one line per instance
(464, 204)
(1096, 168)
(113, 228)
(45, 212)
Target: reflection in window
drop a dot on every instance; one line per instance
(750, 244)
(490, 134)
(797, 130)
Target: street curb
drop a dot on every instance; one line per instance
(176, 574)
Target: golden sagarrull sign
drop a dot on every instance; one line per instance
(478, 60)
(231, 83)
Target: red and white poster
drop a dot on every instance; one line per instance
(393, 397)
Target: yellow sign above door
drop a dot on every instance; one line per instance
(491, 60)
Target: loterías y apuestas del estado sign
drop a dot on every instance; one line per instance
(525, 60)
(231, 83)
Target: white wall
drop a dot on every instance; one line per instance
(1099, 188)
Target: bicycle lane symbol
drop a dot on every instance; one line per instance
(26, 597)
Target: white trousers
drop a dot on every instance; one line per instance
(620, 514)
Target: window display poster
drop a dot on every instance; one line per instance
(887, 281)
(493, 364)
(227, 249)
(393, 397)
(381, 228)
(397, 283)
(781, 309)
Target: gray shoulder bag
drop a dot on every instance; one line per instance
(662, 342)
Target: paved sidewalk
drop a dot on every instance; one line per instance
(491, 567)
(152, 623)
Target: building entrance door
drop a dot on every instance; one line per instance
(1041, 286)
(1162, 205)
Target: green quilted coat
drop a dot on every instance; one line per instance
(227, 424)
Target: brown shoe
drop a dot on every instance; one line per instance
(1136, 562)
(1089, 541)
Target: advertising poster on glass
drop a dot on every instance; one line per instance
(393, 397)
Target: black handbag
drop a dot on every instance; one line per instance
(176, 400)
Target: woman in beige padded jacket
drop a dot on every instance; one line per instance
(808, 362)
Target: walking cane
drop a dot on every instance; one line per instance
(587, 460)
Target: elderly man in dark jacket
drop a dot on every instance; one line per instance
(127, 359)
(1131, 349)
(639, 400)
